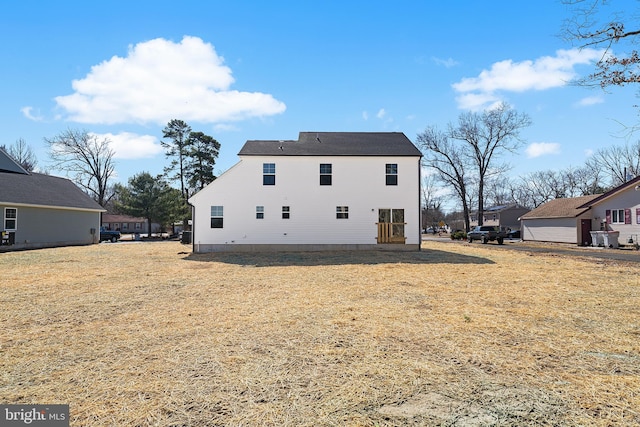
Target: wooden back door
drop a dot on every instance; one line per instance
(391, 226)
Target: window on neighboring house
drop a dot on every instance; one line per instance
(125, 226)
(325, 173)
(217, 213)
(10, 218)
(286, 212)
(137, 226)
(268, 174)
(342, 212)
(259, 212)
(391, 171)
(617, 216)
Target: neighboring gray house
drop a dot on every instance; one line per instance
(505, 216)
(38, 211)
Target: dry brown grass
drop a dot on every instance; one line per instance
(139, 334)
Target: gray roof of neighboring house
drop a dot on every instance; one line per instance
(43, 190)
(561, 208)
(335, 144)
(503, 208)
(8, 165)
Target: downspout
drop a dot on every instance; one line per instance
(419, 204)
(193, 227)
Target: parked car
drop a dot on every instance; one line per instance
(110, 235)
(486, 233)
(514, 234)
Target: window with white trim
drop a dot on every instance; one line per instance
(617, 216)
(286, 212)
(10, 219)
(217, 213)
(259, 212)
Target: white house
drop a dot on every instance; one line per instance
(325, 191)
(573, 220)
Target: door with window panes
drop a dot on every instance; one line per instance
(391, 226)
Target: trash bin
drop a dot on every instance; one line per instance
(610, 239)
(186, 237)
(597, 238)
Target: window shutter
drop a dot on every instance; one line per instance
(627, 216)
(637, 215)
(608, 216)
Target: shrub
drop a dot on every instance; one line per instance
(458, 235)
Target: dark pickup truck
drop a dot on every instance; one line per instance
(110, 235)
(486, 233)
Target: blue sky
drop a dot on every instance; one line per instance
(246, 70)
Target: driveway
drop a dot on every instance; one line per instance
(622, 254)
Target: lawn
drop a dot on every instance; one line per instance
(148, 334)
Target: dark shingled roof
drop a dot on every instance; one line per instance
(43, 190)
(335, 144)
(561, 208)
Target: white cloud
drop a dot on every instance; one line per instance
(543, 73)
(381, 113)
(28, 113)
(128, 145)
(160, 80)
(447, 63)
(588, 152)
(538, 149)
(365, 115)
(590, 100)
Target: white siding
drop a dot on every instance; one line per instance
(561, 230)
(357, 182)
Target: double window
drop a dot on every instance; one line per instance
(391, 173)
(325, 173)
(617, 216)
(217, 213)
(10, 219)
(268, 174)
(259, 212)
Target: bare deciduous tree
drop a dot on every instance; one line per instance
(448, 160)
(597, 24)
(486, 136)
(22, 153)
(617, 162)
(88, 160)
